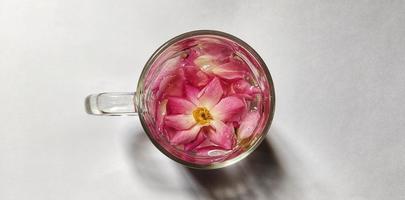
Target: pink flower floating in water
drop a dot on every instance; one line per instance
(204, 100)
(205, 108)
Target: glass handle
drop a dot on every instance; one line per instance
(111, 104)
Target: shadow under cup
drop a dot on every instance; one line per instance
(157, 70)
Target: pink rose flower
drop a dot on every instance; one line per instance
(204, 109)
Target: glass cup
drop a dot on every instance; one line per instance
(205, 99)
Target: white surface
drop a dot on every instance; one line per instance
(340, 82)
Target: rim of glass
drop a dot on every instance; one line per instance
(162, 48)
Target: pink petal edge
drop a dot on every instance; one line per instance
(179, 122)
(195, 76)
(243, 87)
(201, 137)
(223, 135)
(248, 125)
(176, 105)
(172, 84)
(229, 70)
(185, 136)
(229, 108)
(211, 94)
(161, 113)
(192, 94)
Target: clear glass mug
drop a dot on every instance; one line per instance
(205, 99)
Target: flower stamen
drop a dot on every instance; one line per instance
(202, 116)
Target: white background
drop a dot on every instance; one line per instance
(339, 73)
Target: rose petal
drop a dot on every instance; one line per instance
(172, 84)
(244, 87)
(169, 132)
(180, 122)
(205, 63)
(248, 125)
(185, 136)
(176, 105)
(161, 112)
(166, 69)
(215, 48)
(192, 94)
(195, 76)
(189, 56)
(223, 135)
(229, 108)
(230, 70)
(201, 137)
(211, 94)
(207, 142)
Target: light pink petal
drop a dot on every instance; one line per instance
(205, 62)
(163, 83)
(195, 76)
(223, 135)
(244, 96)
(169, 133)
(201, 137)
(211, 94)
(167, 67)
(229, 74)
(161, 112)
(192, 94)
(215, 48)
(175, 86)
(172, 84)
(248, 125)
(176, 105)
(230, 70)
(244, 87)
(207, 142)
(185, 136)
(180, 122)
(189, 57)
(228, 108)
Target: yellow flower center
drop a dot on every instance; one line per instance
(202, 115)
